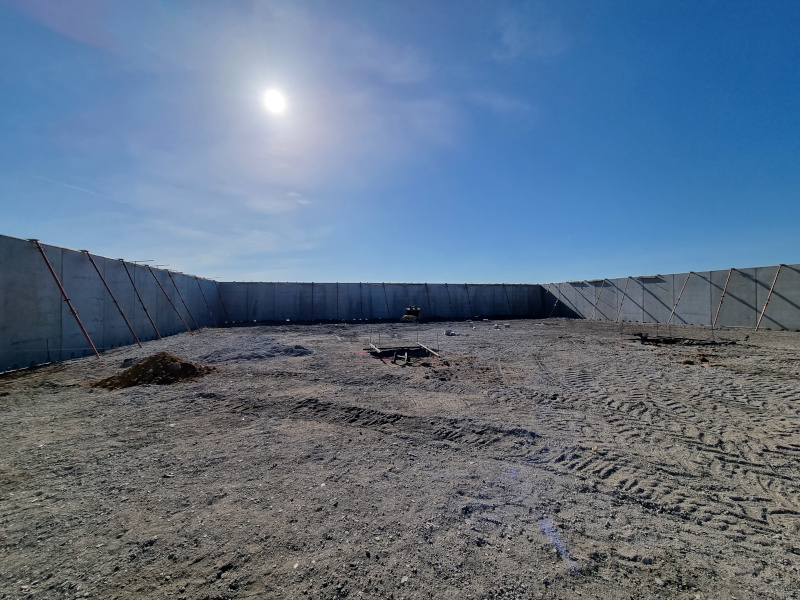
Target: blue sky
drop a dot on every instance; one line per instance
(423, 141)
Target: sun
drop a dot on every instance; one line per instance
(275, 102)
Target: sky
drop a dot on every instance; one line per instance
(447, 141)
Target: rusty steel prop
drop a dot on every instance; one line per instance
(66, 298)
(110, 293)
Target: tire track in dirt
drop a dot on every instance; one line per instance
(516, 441)
(675, 413)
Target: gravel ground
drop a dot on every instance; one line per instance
(548, 459)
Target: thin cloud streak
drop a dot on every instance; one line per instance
(80, 189)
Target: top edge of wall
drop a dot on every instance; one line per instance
(95, 255)
(385, 283)
(656, 276)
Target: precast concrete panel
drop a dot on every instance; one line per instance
(460, 301)
(396, 294)
(590, 293)
(694, 307)
(738, 308)
(211, 289)
(287, 301)
(343, 308)
(538, 298)
(115, 331)
(261, 301)
(30, 305)
(520, 298)
(501, 301)
(146, 290)
(375, 300)
(583, 296)
(168, 318)
(717, 279)
(163, 314)
(205, 310)
(783, 309)
(560, 306)
(504, 300)
(488, 300)
(209, 309)
(87, 295)
(427, 305)
(391, 307)
(372, 301)
(764, 278)
(306, 302)
(233, 295)
(175, 294)
(350, 302)
(528, 300)
(607, 301)
(632, 309)
(440, 307)
(620, 293)
(364, 298)
(402, 295)
(479, 300)
(324, 301)
(185, 299)
(197, 306)
(222, 300)
(551, 300)
(658, 298)
(566, 307)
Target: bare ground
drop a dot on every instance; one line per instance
(550, 459)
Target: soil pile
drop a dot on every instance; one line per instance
(161, 368)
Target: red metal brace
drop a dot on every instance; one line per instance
(66, 299)
(189, 329)
(110, 293)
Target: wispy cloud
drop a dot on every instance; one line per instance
(528, 32)
(289, 202)
(194, 145)
(84, 190)
(81, 20)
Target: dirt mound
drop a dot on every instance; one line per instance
(161, 368)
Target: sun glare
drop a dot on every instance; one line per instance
(275, 102)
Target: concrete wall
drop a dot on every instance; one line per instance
(694, 297)
(36, 325)
(279, 301)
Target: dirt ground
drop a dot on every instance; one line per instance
(548, 459)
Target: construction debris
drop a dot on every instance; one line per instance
(404, 353)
